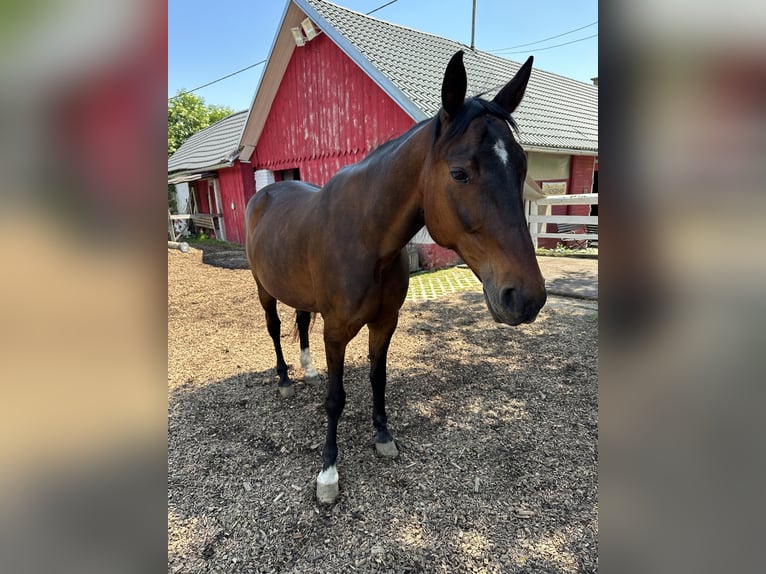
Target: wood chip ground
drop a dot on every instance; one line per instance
(496, 427)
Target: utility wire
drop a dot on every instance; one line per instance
(546, 39)
(381, 7)
(256, 64)
(549, 47)
(218, 80)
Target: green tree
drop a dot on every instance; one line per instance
(188, 114)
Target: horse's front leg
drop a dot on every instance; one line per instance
(380, 339)
(335, 349)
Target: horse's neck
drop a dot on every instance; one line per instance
(394, 200)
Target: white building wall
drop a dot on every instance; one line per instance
(263, 177)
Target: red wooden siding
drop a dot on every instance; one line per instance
(555, 210)
(237, 185)
(433, 256)
(580, 181)
(201, 189)
(327, 114)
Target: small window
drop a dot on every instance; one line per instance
(289, 175)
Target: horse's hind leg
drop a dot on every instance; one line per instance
(303, 320)
(273, 324)
(380, 339)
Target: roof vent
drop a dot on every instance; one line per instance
(309, 29)
(298, 36)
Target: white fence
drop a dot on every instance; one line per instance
(538, 216)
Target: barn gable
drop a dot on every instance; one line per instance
(327, 113)
(338, 83)
(408, 65)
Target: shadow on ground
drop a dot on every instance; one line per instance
(220, 254)
(497, 472)
(570, 283)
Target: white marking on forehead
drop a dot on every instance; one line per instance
(501, 152)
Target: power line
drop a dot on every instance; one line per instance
(256, 64)
(549, 47)
(546, 39)
(381, 7)
(218, 80)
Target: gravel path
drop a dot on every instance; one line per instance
(497, 430)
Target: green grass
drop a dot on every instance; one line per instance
(202, 241)
(437, 283)
(562, 251)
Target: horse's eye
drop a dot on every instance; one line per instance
(459, 175)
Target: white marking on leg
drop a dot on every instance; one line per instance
(501, 152)
(308, 367)
(327, 486)
(329, 476)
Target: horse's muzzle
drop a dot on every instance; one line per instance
(512, 306)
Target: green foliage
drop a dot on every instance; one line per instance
(172, 201)
(217, 113)
(562, 250)
(202, 239)
(188, 114)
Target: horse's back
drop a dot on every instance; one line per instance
(278, 226)
(288, 194)
(277, 207)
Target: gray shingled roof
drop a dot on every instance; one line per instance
(556, 112)
(215, 145)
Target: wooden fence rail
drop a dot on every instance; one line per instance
(212, 221)
(538, 217)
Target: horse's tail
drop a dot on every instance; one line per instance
(294, 331)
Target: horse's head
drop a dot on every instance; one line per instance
(472, 199)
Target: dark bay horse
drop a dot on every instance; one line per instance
(338, 250)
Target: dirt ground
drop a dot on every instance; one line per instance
(496, 426)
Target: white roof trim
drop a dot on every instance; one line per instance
(564, 151)
(358, 58)
(282, 51)
(279, 57)
(283, 46)
(184, 178)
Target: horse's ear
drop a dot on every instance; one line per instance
(510, 96)
(454, 85)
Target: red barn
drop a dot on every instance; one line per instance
(339, 83)
(219, 183)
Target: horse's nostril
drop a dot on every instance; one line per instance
(508, 298)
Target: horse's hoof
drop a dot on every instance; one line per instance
(286, 391)
(327, 493)
(387, 449)
(312, 380)
(327, 486)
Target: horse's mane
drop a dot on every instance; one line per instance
(472, 109)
